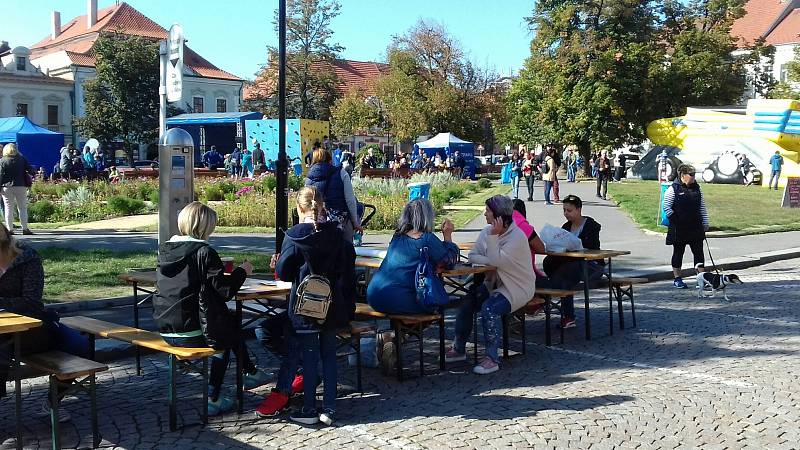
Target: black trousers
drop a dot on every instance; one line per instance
(697, 253)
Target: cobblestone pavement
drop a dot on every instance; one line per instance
(695, 374)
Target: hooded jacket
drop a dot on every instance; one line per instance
(13, 170)
(192, 291)
(330, 256)
(327, 179)
(686, 210)
(22, 284)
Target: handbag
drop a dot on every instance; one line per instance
(28, 180)
(430, 289)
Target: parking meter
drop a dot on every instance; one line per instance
(175, 179)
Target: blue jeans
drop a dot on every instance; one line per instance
(570, 173)
(515, 186)
(776, 174)
(492, 308)
(219, 361)
(312, 347)
(548, 186)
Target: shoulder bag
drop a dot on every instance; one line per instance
(430, 289)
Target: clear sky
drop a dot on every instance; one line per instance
(234, 34)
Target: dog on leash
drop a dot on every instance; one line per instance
(708, 284)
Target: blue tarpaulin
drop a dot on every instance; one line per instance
(219, 129)
(212, 118)
(39, 145)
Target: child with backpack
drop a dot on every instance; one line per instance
(320, 263)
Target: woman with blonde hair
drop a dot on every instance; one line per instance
(337, 191)
(190, 306)
(16, 175)
(313, 246)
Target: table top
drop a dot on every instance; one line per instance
(146, 277)
(14, 323)
(466, 245)
(367, 262)
(254, 289)
(590, 255)
(457, 270)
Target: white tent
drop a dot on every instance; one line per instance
(441, 140)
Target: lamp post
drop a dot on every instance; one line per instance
(282, 188)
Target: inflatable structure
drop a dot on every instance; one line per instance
(300, 137)
(729, 145)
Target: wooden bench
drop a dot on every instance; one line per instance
(154, 341)
(623, 287)
(68, 374)
(351, 337)
(410, 325)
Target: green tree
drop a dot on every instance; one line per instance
(311, 82)
(122, 101)
(352, 114)
(432, 87)
(791, 87)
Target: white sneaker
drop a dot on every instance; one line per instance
(486, 366)
(63, 415)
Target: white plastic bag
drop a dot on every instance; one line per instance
(559, 240)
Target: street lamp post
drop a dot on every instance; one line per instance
(282, 189)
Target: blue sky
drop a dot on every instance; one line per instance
(234, 34)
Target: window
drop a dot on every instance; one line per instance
(222, 105)
(22, 109)
(197, 104)
(20, 63)
(52, 114)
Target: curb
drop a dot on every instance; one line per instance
(660, 273)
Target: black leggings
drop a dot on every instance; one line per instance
(697, 252)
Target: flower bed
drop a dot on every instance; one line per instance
(242, 203)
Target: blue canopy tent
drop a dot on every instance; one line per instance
(447, 143)
(39, 145)
(207, 129)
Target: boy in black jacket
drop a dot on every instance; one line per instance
(190, 308)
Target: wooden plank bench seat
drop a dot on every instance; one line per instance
(410, 325)
(68, 374)
(623, 287)
(154, 341)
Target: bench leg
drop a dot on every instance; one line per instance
(633, 309)
(398, 349)
(547, 308)
(586, 315)
(93, 403)
(619, 308)
(136, 325)
(421, 330)
(205, 391)
(357, 346)
(172, 395)
(54, 404)
(610, 310)
(475, 335)
(524, 343)
(441, 342)
(17, 391)
(504, 320)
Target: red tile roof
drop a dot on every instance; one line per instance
(77, 40)
(359, 75)
(760, 15)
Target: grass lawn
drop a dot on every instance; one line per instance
(461, 218)
(82, 275)
(731, 208)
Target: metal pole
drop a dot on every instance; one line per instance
(282, 191)
(162, 89)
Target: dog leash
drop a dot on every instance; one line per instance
(710, 256)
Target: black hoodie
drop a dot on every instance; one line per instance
(332, 257)
(22, 284)
(192, 291)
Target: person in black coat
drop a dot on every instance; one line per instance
(313, 244)
(21, 290)
(563, 272)
(688, 221)
(190, 306)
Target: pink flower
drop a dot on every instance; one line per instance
(243, 191)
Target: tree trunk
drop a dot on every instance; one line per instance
(585, 150)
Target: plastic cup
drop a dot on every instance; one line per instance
(227, 263)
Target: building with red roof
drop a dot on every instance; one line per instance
(777, 22)
(67, 54)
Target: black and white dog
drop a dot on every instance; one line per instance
(709, 283)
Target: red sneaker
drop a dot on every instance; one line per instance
(272, 405)
(297, 385)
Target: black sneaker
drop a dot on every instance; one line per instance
(305, 416)
(327, 416)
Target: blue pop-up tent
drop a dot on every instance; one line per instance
(39, 145)
(219, 129)
(448, 143)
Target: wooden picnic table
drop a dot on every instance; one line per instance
(266, 293)
(593, 255)
(16, 324)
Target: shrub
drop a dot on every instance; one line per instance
(212, 193)
(124, 206)
(269, 184)
(484, 183)
(154, 197)
(144, 190)
(295, 182)
(78, 196)
(42, 211)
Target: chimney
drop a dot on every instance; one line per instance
(56, 25)
(91, 13)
